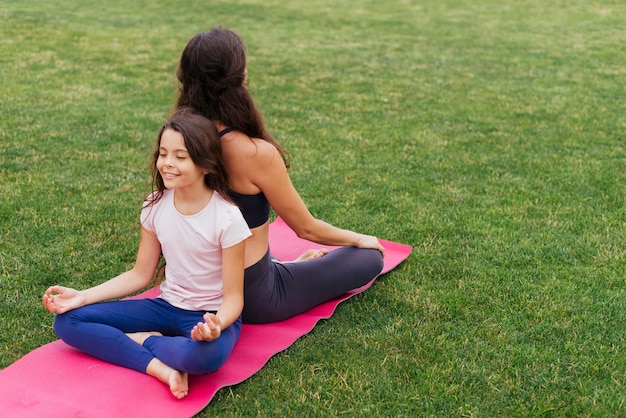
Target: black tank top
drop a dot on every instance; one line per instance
(255, 208)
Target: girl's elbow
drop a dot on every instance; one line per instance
(142, 278)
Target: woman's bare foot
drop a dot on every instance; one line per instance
(306, 256)
(140, 337)
(176, 380)
(311, 255)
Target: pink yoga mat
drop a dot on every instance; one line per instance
(58, 381)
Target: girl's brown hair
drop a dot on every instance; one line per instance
(203, 145)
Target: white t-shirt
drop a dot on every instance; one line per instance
(192, 247)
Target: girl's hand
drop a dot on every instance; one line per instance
(369, 241)
(59, 299)
(210, 330)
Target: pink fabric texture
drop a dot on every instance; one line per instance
(57, 380)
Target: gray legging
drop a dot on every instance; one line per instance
(276, 291)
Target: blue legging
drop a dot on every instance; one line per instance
(99, 330)
(277, 291)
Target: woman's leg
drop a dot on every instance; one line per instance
(277, 291)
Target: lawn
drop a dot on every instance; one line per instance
(490, 135)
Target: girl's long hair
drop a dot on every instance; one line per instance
(205, 150)
(212, 74)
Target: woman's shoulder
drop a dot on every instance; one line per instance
(250, 151)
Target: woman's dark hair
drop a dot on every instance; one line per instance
(212, 73)
(203, 145)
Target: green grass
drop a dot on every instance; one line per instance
(490, 135)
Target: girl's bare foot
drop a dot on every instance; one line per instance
(176, 380)
(140, 337)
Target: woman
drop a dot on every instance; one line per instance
(213, 75)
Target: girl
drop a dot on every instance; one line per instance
(212, 74)
(194, 324)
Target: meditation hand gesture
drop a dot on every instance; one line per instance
(209, 331)
(59, 299)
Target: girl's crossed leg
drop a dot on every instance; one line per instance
(163, 348)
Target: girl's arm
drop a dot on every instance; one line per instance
(232, 305)
(59, 299)
(273, 179)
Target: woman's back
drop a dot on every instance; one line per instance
(245, 160)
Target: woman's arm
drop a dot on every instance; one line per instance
(273, 179)
(232, 305)
(59, 299)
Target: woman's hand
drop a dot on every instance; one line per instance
(369, 241)
(59, 299)
(210, 330)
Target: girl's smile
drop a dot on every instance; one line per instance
(175, 164)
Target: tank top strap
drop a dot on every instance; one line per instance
(225, 131)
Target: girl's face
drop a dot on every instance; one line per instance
(175, 164)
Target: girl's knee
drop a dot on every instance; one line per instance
(205, 358)
(203, 361)
(62, 324)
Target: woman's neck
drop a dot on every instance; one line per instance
(219, 125)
